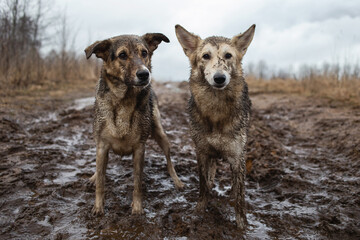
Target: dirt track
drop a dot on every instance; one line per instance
(303, 180)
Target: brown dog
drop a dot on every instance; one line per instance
(126, 110)
(219, 109)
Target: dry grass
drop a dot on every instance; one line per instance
(345, 89)
(47, 73)
(80, 81)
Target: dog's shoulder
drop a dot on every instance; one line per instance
(245, 100)
(102, 98)
(102, 88)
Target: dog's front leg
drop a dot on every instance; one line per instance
(237, 165)
(161, 138)
(203, 169)
(138, 159)
(102, 153)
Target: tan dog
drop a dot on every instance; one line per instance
(219, 109)
(126, 110)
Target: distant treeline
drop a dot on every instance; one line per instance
(24, 27)
(262, 70)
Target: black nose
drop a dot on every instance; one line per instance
(219, 78)
(142, 75)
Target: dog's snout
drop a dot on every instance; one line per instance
(219, 78)
(143, 75)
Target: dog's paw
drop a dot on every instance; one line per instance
(91, 181)
(137, 208)
(97, 211)
(201, 206)
(240, 222)
(179, 185)
(210, 185)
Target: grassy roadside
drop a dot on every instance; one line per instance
(44, 97)
(344, 91)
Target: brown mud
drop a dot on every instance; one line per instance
(303, 179)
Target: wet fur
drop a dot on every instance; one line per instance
(126, 114)
(219, 118)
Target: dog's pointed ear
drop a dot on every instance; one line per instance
(243, 40)
(188, 41)
(100, 48)
(154, 39)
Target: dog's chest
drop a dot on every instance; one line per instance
(226, 144)
(123, 117)
(222, 134)
(123, 130)
(123, 122)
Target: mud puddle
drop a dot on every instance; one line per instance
(303, 180)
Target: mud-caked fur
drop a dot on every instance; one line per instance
(126, 110)
(219, 109)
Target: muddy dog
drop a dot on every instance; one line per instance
(126, 110)
(219, 109)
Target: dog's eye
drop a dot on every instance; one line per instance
(206, 56)
(144, 53)
(228, 55)
(123, 55)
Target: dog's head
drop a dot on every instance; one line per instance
(127, 58)
(217, 59)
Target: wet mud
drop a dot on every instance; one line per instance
(303, 179)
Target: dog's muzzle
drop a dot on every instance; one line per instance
(143, 77)
(219, 80)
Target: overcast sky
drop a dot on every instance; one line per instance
(288, 33)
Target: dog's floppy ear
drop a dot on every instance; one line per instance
(243, 40)
(154, 39)
(188, 41)
(100, 48)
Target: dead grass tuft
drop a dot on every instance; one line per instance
(345, 89)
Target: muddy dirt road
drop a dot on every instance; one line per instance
(303, 178)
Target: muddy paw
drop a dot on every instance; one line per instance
(210, 185)
(179, 185)
(91, 181)
(136, 208)
(89, 184)
(240, 222)
(97, 211)
(201, 206)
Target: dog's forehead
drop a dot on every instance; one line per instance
(129, 41)
(216, 41)
(217, 44)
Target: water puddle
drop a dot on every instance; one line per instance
(81, 103)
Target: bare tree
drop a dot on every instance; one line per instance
(22, 27)
(250, 70)
(356, 71)
(262, 69)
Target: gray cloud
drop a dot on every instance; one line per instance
(288, 32)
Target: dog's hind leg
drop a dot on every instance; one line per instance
(102, 152)
(238, 181)
(161, 138)
(212, 173)
(203, 168)
(138, 160)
